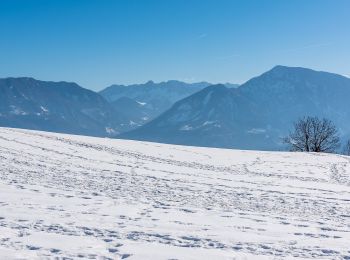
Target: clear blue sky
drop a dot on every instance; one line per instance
(101, 42)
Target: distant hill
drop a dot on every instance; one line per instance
(57, 107)
(154, 97)
(255, 115)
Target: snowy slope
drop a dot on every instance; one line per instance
(75, 196)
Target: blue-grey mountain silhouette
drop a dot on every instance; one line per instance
(57, 107)
(254, 116)
(153, 98)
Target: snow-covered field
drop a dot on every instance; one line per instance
(75, 196)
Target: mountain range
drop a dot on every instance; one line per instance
(254, 116)
(149, 100)
(68, 108)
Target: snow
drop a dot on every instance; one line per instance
(213, 123)
(132, 123)
(99, 198)
(256, 131)
(186, 128)
(109, 130)
(141, 103)
(44, 109)
(206, 123)
(17, 111)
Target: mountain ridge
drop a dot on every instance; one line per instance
(56, 106)
(257, 114)
(157, 97)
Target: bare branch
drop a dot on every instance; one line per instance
(311, 134)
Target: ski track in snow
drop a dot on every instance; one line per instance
(68, 197)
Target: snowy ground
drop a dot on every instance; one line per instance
(74, 196)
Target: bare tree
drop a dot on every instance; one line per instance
(347, 148)
(312, 134)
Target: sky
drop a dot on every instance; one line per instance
(97, 43)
